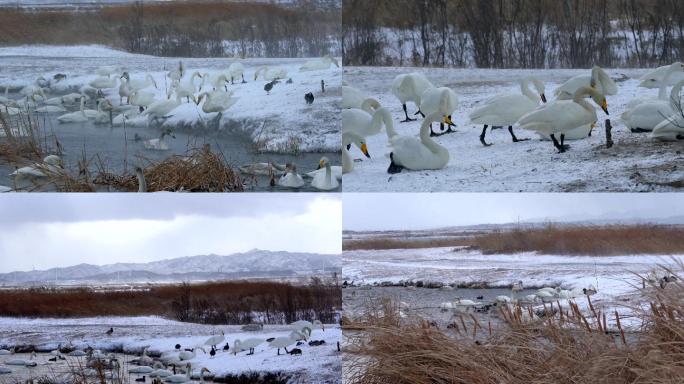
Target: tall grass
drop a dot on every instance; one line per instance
(570, 347)
(555, 239)
(233, 302)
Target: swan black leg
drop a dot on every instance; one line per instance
(419, 113)
(482, 136)
(393, 168)
(406, 114)
(564, 146)
(515, 139)
(348, 147)
(243, 79)
(555, 143)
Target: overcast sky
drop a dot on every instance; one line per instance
(370, 211)
(42, 231)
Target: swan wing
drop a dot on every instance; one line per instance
(503, 110)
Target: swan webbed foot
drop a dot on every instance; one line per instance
(482, 136)
(419, 113)
(406, 114)
(393, 168)
(407, 119)
(515, 139)
(639, 130)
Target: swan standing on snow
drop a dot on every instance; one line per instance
(217, 81)
(216, 339)
(247, 345)
(162, 108)
(560, 116)
(142, 99)
(507, 109)
(217, 101)
(645, 116)
(598, 79)
(188, 88)
(286, 341)
(440, 100)
(414, 153)
(410, 87)
(349, 138)
(103, 83)
(325, 181)
(189, 355)
(316, 64)
(270, 73)
(305, 326)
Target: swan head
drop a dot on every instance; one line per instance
(677, 66)
(53, 160)
(324, 162)
(447, 121)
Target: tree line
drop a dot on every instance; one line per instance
(513, 33)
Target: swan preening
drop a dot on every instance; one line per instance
(410, 87)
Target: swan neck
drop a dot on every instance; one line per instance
(525, 89)
(425, 132)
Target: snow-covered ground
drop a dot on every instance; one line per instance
(279, 122)
(316, 364)
(615, 277)
(634, 163)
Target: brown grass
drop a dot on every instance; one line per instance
(586, 240)
(392, 243)
(220, 302)
(552, 239)
(199, 170)
(572, 348)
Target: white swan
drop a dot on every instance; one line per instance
(335, 169)
(286, 341)
(138, 84)
(235, 70)
(160, 143)
(270, 73)
(162, 108)
(50, 109)
(505, 110)
(352, 97)
(349, 138)
(177, 73)
(657, 77)
(671, 128)
(76, 353)
(410, 87)
(364, 123)
(51, 164)
(189, 355)
(417, 153)
(560, 116)
(440, 100)
(305, 326)
(5, 371)
(321, 63)
(142, 98)
(291, 179)
(214, 340)
(598, 79)
(247, 345)
(217, 101)
(668, 73)
(216, 80)
(5, 352)
(646, 115)
(188, 88)
(101, 83)
(325, 181)
(141, 369)
(183, 378)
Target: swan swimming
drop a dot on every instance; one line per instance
(325, 181)
(507, 109)
(417, 153)
(160, 143)
(560, 116)
(291, 179)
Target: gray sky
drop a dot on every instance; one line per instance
(371, 211)
(51, 230)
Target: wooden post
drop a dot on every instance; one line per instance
(322, 86)
(609, 135)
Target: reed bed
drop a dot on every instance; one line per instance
(566, 347)
(199, 170)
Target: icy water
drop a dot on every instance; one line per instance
(422, 302)
(60, 371)
(117, 150)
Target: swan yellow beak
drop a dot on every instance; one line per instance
(604, 106)
(321, 164)
(364, 149)
(543, 98)
(447, 120)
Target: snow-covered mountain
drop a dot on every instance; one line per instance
(252, 264)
